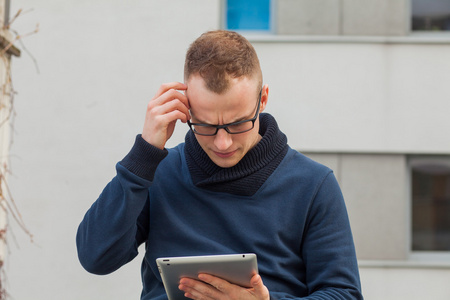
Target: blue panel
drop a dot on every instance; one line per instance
(248, 14)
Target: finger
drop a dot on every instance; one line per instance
(167, 96)
(169, 107)
(167, 103)
(186, 289)
(220, 284)
(195, 289)
(171, 86)
(260, 289)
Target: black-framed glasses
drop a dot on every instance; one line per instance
(231, 128)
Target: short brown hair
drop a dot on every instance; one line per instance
(219, 55)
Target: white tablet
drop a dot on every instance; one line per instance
(235, 268)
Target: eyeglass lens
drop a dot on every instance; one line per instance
(235, 128)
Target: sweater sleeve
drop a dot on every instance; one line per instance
(328, 249)
(117, 223)
(143, 159)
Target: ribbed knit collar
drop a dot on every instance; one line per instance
(247, 176)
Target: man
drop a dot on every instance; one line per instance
(234, 186)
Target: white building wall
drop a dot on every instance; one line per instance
(405, 282)
(100, 63)
(358, 96)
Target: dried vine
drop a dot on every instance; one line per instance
(8, 206)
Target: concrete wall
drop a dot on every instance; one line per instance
(101, 61)
(376, 193)
(345, 17)
(359, 97)
(405, 282)
(320, 17)
(379, 17)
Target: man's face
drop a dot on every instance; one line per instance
(238, 103)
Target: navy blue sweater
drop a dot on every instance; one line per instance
(292, 215)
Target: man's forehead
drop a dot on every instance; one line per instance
(196, 85)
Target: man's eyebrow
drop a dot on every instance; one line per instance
(198, 120)
(203, 122)
(241, 119)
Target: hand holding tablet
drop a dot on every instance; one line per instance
(237, 269)
(211, 287)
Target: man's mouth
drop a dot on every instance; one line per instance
(224, 154)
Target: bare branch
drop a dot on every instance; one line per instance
(19, 37)
(11, 207)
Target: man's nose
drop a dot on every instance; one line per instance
(223, 140)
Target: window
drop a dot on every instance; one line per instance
(250, 15)
(430, 204)
(430, 15)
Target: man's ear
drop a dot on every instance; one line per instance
(264, 97)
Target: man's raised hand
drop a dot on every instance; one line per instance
(167, 106)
